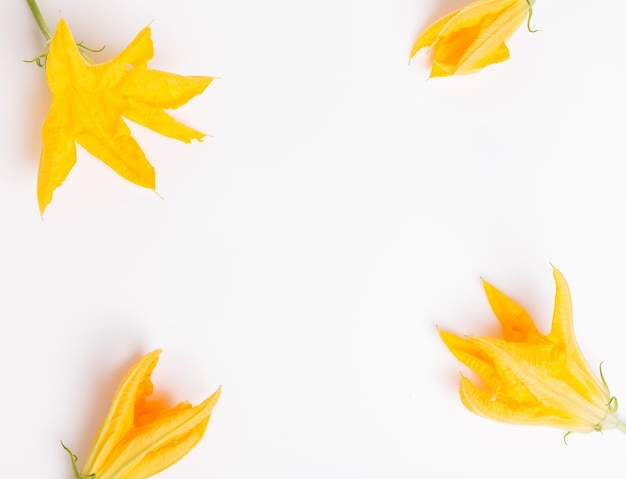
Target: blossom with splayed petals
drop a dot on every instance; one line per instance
(532, 378)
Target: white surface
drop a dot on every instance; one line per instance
(303, 254)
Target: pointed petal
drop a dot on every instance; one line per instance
(581, 377)
(429, 36)
(160, 443)
(516, 323)
(562, 320)
(134, 387)
(162, 89)
(466, 351)
(139, 52)
(124, 156)
(58, 153)
(108, 138)
(107, 76)
(147, 92)
(160, 122)
(64, 61)
(482, 402)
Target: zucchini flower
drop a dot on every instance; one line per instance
(91, 103)
(474, 36)
(138, 439)
(532, 378)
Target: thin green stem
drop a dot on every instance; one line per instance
(530, 15)
(41, 23)
(621, 426)
(74, 460)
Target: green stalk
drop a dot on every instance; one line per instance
(74, 460)
(41, 23)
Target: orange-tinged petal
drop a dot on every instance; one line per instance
(161, 443)
(474, 36)
(516, 324)
(481, 59)
(138, 438)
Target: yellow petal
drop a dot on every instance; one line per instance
(119, 150)
(139, 438)
(162, 89)
(58, 154)
(427, 38)
(159, 121)
(147, 92)
(474, 36)
(483, 404)
(138, 53)
(466, 351)
(135, 386)
(582, 377)
(160, 443)
(562, 325)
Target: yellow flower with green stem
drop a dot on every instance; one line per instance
(531, 378)
(90, 102)
(139, 438)
(474, 36)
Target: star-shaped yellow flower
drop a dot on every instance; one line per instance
(532, 378)
(89, 101)
(474, 36)
(138, 439)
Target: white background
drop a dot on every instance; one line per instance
(302, 255)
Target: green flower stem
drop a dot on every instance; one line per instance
(41, 23)
(43, 26)
(74, 460)
(621, 426)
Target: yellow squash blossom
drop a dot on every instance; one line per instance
(89, 101)
(138, 439)
(532, 378)
(474, 36)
